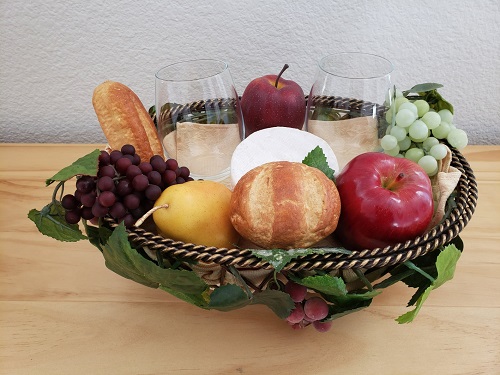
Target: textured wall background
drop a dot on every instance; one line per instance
(54, 53)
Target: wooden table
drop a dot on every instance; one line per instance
(63, 312)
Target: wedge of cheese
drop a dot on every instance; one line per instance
(277, 144)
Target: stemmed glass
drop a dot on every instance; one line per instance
(347, 102)
(198, 116)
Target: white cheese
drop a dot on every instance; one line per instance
(277, 144)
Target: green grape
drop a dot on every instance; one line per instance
(446, 115)
(422, 107)
(428, 163)
(409, 105)
(405, 118)
(429, 142)
(404, 144)
(457, 138)
(398, 132)
(414, 154)
(388, 142)
(400, 100)
(431, 119)
(438, 151)
(389, 114)
(418, 130)
(441, 132)
(393, 151)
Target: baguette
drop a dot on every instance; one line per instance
(124, 120)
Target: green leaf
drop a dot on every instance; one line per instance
(281, 303)
(279, 258)
(317, 159)
(410, 315)
(127, 262)
(228, 297)
(326, 284)
(50, 222)
(423, 87)
(445, 264)
(336, 311)
(86, 165)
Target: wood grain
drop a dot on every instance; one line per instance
(62, 311)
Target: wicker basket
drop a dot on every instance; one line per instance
(464, 205)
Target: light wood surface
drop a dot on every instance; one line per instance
(63, 312)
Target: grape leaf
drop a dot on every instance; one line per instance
(445, 264)
(423, 87)
(50, 222)
(86, 165)
(122, 259)
(336, 311)
(228, 297)
(280, 302)
(317, 159)
(279, 258)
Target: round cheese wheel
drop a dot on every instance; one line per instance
(277, 144)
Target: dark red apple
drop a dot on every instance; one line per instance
(384, 200)
(271, 101)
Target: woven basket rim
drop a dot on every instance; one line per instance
(459, 216)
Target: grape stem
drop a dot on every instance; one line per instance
(58, 186)
(143, 218)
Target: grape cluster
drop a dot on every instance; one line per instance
(125, 187)
(418, 131)
(307, 311)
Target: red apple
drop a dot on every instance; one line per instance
(385, 200)
(271, 101)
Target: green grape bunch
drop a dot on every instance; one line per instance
(419, 126)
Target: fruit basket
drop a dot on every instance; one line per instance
(231, 278)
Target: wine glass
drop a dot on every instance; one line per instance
(198, 116)
(347, 102)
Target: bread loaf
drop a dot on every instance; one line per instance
(124, 120)
(285, 205)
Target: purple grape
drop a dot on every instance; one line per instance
(118, 210)
(69, 202)
(172, 164)
(106, 199)
(104, 158)
(180, 180)
(85, 184)
(136, 160)
(169, 177)
(315, 308)
(106, 170)
(128, 149)
(78, 195)
(152, 192)
(158, 163)
(140, 182)
(72, 216)
(133, 171)
(98, 210)
(128, 220)
(87, 213)
(124, 187)
(138, 212)
(131, 201)
(184, 172)
(88, 199)
(296, 315)
(154, 178)
(114, 156)
(105, 183)
(145, 167)
(122, 164)
(322, 326)
(296, 291)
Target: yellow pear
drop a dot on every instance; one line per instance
(196, 212)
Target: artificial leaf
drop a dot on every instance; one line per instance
(336, 311)
(127, 262)
(86, 165)
(317, 159)
(279, 258)
(445, 264)
(228, 297)
(50, 222)
(326, 284)
(197, 299)
(423, 87)
(281, 303)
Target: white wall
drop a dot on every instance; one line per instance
(54, 53)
